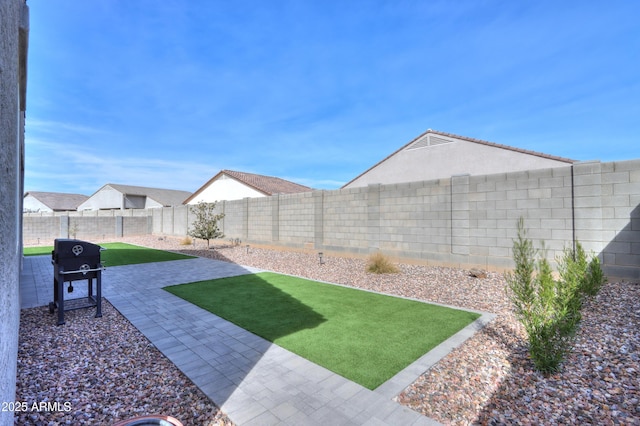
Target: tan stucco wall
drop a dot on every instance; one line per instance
(456, 158)
(225, 188)
(31, 204)
(105, 198)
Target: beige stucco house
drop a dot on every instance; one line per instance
(36, 201)
(437, 155)
(115, 196)
(233, 185)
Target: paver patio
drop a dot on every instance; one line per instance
(253, 380)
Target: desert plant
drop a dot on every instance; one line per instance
(520, 281)
(549, 309)
(581, 271)
(572, 267)
(546, 325)
(378, 263)
(595, 278)
(205, 225)
(73, 230)
(534, 293)
(186, 241)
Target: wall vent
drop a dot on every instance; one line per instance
(434, 140)
(428, 140)
(420, 143)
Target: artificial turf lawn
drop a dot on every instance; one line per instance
(365, 337)
(118, 254)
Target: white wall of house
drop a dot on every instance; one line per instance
(225, 188)
(105, 198)
(150, 203)
(110, 198)
(446, 157)
(32, 204)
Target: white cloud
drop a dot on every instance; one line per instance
(54, 166)
(49, 126)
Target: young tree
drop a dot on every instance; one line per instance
(549, 308)
(205, 225)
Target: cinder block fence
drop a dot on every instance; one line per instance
(460, 221)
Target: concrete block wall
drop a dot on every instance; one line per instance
(95, 227)
(39, 228)
(296, 218)
(136, 225)
(436, 220)
(181, 217)
(496, 202)
(460, 218)
(587, 187)
(168, 222)
(235, 222)
(156, 221)
(415, 220)
(620, 218)
(260, 219)
(460, 221)
(345, 224)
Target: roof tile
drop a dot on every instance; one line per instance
(268, 184)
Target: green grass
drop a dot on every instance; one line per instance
(365, 337)
(118, 254)
(37, 251)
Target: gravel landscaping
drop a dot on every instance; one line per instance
(114, 372)
(96, 371)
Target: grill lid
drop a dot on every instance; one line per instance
(64, 248)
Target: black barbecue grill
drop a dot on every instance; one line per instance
(75, 260)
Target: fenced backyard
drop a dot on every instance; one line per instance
(465, 220)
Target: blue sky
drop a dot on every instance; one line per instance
(167, 93)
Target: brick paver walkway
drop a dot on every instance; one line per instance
(254, 381)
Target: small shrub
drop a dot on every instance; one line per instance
(520, 281)
(595, 278)
(583, 273)
(378, 263)
(534, 294)
(549, 309)
(553, 325)
(186, 241)
(73, 230)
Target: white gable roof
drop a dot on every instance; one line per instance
(233, 185)
(437, 155)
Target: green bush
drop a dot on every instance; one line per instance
(584, 273)
(595, 278)
(549, 309)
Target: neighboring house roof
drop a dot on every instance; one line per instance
(58, 201)
(267, 185)
(166, 197)
(432, 135)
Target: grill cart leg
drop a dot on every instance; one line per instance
(99, 294)
(53, 305)
(60, 299)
